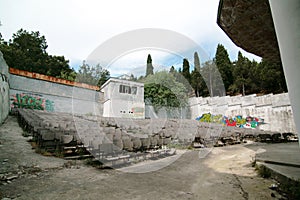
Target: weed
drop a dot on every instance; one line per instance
(291, 188)
(263, 171)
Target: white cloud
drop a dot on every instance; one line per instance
(75, 28)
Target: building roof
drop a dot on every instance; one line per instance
(127, 82)
(249, 24)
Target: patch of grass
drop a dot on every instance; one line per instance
(58, 154)
(179, 146)
(92, 162)
(263, 171)
(291, 189)
(43, 152)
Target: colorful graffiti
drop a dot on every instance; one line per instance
(31, 101)
(237, 121)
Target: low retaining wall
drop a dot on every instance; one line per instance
(29, 92)
(275, 110)
(4, 89)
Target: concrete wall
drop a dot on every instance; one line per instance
(276, 109)
(53, 96)
(111, 90)
(4, 89)
(167, 113)
(286, 19)
(120, 104)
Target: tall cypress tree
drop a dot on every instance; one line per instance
(149, 69)
(196, 62)
(197, 80)
(186, 70)
(224, 65)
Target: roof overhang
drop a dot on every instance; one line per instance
(249, 24)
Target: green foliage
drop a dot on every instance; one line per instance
(212, 79)
(291, 188)
(162, 90)
(252, 77)
(263, 171)
(186, 70)
(92, 75)
(68, 75)
(224, 65)
(133, 78)
(197, 81)
(27, 51)
(241, 73)
(271, 77)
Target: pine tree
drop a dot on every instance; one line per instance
(149, 69)
(224, 65)
(241, 73)
(272, 77)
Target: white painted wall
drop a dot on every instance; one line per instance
(276, 109)
(286, 18)
(123, 105)
(4, 89)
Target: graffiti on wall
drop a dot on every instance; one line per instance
(237, 121)
(135, 112)
(31, 101)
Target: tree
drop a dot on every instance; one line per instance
(212, 79)
(197, 81)
(149, 69)
(71, 76)
(104, 76)
(92, 75)
(186, 70)
(27, 51)
(31, 52)
(272, 77)
(224, 66)
(172, 70)
(254, 85)
(241, 73)
(162, 90)
(57, 64)
(132, 78)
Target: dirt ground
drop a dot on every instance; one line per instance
(225, 173)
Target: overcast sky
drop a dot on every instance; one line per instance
(75, 28)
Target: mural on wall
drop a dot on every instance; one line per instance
(135, 112)
(31, 101)
(237, 121)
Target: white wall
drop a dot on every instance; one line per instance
(63, 98)
(286, 18)
(4, 89)
(124, 105)
(276, 109)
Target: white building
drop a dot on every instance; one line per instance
(123, 98)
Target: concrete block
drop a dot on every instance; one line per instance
(48, 135)
(65, 139)
(280, 100)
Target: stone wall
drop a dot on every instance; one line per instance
(52, 96)
(4, 89)
(276, 109)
